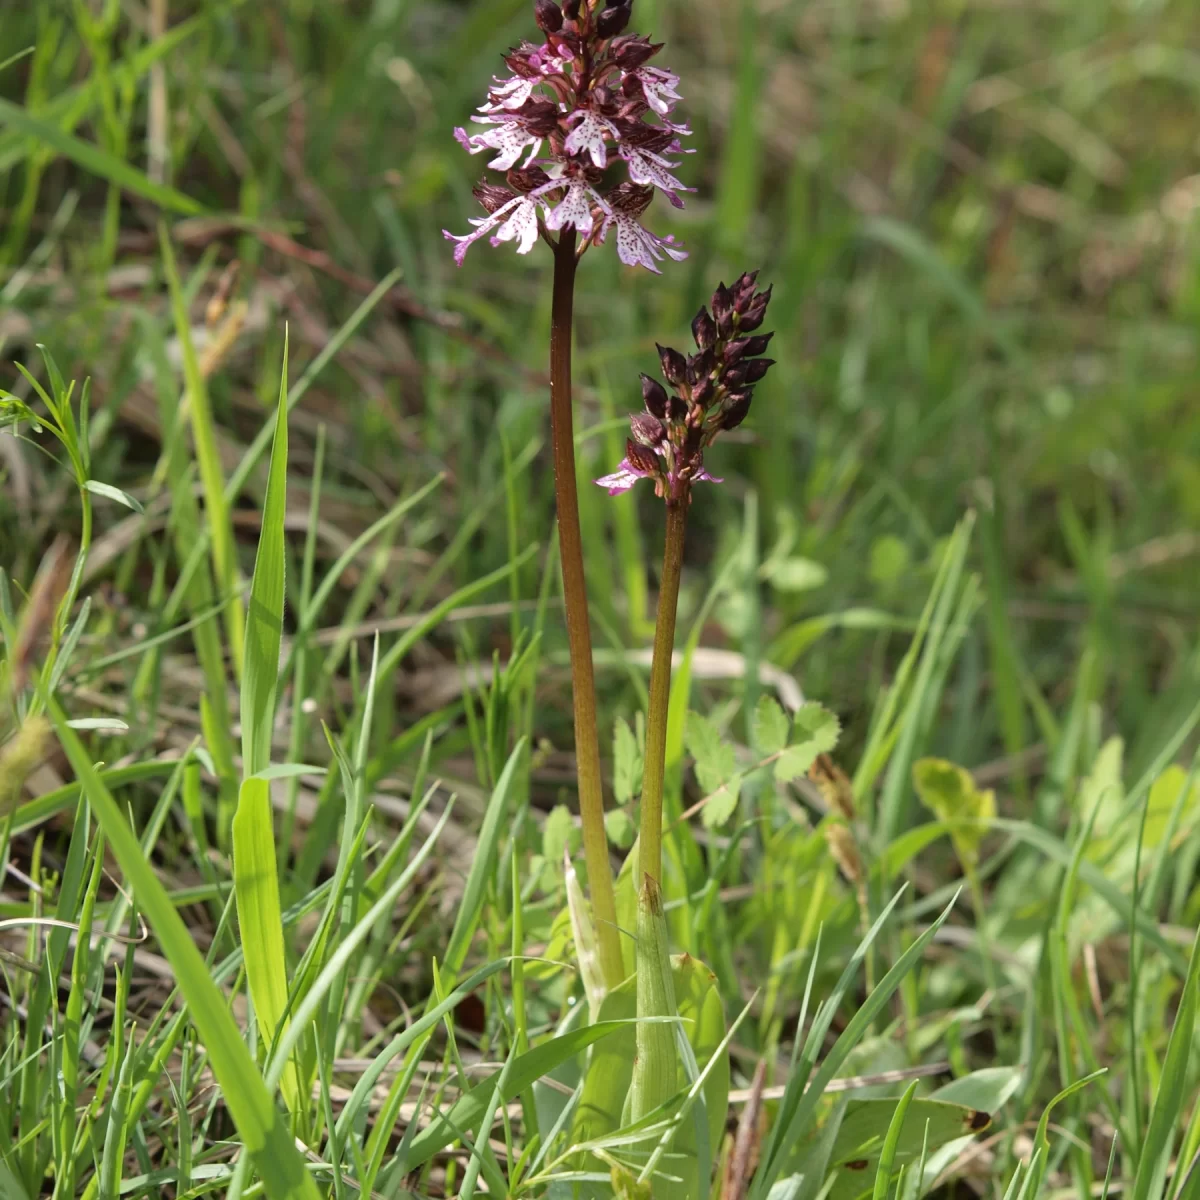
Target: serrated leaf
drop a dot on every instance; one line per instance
(815, 730)
(722, 804)
(559, 834)
(113, 493)
(771, 726)
(619, 826)
(716, 763)
(627, 762)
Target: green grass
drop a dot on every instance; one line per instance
(284, 908)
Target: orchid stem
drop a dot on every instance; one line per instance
(650, 850)
(579, 637)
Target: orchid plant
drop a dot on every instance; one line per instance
(575, 106)
(582, 129)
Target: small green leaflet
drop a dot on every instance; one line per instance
(113, 493)
(716, 769)
(815, 730)
(791, 745)
(627, 762)
(559, 834)
(771, 727)
(715, 760)
(619, 826)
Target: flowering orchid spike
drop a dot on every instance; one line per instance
(584, 100)
(711, 391)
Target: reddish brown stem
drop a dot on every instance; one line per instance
(579, 637)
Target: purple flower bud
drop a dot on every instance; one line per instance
(733, 377)
(704, 329)
(758, 345)
(674, 365)
(539, 116)
(655, 396)
(735, 351)
(491, 195)
(548, 16)
(744, 288)
(641, 458)
(700, 366)
(736, 407)
(614, 19)
(571, 9)
(677, 409)
(702, 391)
(756, 368)
(648, 430)
(630, 51)
(603, 100)
(722, 310)
(527, 179)
(756, 311)
(631, 87)
(523, 62)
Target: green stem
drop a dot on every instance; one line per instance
(579, 636)
(660, 692)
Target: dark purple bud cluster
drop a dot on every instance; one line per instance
(711, 391)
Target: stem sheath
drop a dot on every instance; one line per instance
(570, 541)
(660, 692)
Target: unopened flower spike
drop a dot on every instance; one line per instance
(710, 391)
(575, 108)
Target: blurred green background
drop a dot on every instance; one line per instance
(980, 218)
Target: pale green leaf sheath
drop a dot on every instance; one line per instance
(654, 1068)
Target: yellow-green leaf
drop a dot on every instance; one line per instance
(264, 626)
(260, 918)
(949, 792)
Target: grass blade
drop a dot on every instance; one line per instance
(261, 1125)
(1165, 1117)
(95, 160)
(264, 628)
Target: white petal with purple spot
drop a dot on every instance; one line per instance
(521, 227)
(588, 136)
(659, 87)
(652, 170)
(622, 479)
(575, 209)
(511, 93)
(638, 247)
